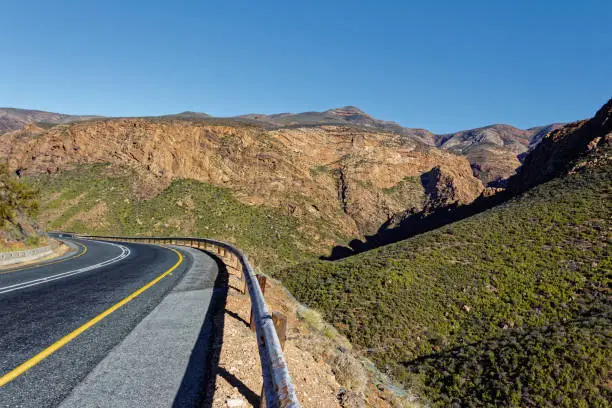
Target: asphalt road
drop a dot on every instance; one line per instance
(40, 306)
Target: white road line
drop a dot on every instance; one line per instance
(125, 252)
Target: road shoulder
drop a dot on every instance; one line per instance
(153, 365)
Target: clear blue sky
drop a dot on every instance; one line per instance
(441, 65)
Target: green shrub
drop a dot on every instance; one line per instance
(508, 307)
(16, 197)
(185, 208)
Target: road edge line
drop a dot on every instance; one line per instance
(25, 366)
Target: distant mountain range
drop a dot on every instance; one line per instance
(493, 151)
(13, 119)
(347, 115)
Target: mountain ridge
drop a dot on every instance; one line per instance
(16, 118)
(494, 151)
(346, 113)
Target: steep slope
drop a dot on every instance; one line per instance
(108, 199)
(509, 307)
(556, 153)
(348, 179)
(13, 119)
(538, 133)
(18, 206)
(494, 152)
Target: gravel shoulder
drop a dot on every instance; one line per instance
(325, 372)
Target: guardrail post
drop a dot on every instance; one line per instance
(262, 284)
(280, 325)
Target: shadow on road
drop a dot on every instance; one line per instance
(204, 358)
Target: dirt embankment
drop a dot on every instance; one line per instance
(325, 370)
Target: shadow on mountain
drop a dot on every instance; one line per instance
(557, 154)
(411, 224)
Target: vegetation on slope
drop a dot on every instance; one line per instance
(100, 199)
(18, 202)
(508, 307)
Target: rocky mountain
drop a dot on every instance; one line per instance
(350, 179)
(493, 151)
(14, 119)
(556, 153)
(187, 115)
(348, 115)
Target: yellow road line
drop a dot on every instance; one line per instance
(50, 263)
(22, 368)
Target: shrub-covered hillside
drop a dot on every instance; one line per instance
(102, 199)
(18, 203)
(510, 307)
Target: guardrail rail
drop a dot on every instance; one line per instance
(278, 387)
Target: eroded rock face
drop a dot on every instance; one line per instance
(351, 179)
(445, 186)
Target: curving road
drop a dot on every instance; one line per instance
(60, 319)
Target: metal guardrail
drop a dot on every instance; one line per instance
(278, 387)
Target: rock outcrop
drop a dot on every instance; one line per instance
(351, 179)
(558, 152)
(445, 186)
(494, 152)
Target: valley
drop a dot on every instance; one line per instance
(467, 283)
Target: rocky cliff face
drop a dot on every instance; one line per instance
(564, 149)
(352, 179)
(445, 186)
(494, 152)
